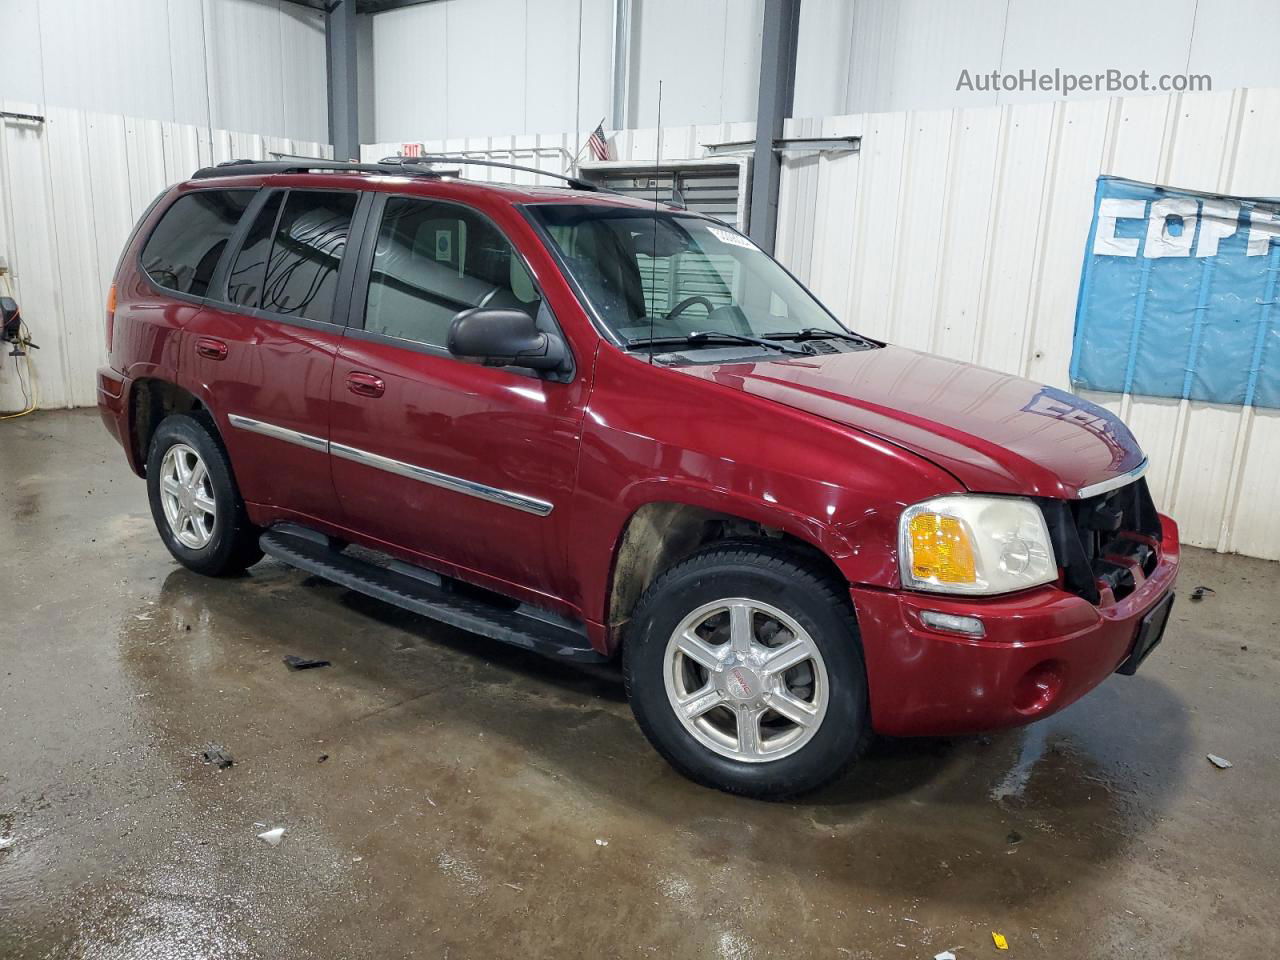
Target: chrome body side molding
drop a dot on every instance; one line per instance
(318, 444)
(506, 498)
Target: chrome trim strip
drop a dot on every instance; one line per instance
(1115, 483)
(506, 498)
(318, 444)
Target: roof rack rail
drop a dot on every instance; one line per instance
(255, 168)
(574, 182)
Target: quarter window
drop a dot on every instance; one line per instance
(185, 246)
(434, 260)
(306, 250)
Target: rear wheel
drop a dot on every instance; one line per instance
(744, 669)
(194, 500)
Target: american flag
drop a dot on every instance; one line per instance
(598, 144)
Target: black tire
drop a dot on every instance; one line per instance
(233, 544)
(794, 586)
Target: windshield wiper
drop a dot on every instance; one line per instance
(820, 333)
(714, 336)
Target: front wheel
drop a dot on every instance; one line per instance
(194, 499)
(744, 669)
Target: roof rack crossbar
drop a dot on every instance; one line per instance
(250, 168)
(574, 182)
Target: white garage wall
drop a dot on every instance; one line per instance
(466, 67)
(874, 56)
(962, 232)
(70, 192)
(461, 68)
(226, 64)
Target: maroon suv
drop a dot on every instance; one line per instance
(596, 427)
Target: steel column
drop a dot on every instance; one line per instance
(621, 66)
(340, 61)
(777, 92)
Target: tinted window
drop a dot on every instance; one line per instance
(244, 282)
(433, 260)
(302, 270)
(184, 248)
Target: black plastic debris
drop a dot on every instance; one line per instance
(323, 757)
(303, 663)
(1199, 593)
(218, 756)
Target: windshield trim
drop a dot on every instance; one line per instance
(589, 308)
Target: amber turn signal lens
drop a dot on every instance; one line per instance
(111, 314)
(940, 549)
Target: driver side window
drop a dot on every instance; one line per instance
(433, 260)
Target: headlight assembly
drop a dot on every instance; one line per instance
(977, 545)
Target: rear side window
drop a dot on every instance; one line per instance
(244, 283)
(309, 238)
(184, 248)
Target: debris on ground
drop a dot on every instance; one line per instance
(1199, 593)
(304, 663)
(272, 836)
(601, 842)
(944, 955)
(1014, 837)
(218, 756)
(999, 940)
(1222, 763)
(7, 842)
(322, 758)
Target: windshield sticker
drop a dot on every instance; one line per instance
(731, 238)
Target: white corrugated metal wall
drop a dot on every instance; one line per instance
(229, 64)
(956, 231)
(962, 232)
(70, 191)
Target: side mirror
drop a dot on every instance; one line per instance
(505, 338)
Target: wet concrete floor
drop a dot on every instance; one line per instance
(480, 802)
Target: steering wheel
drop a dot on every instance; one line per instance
(688, 302)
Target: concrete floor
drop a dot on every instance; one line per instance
(480, 802)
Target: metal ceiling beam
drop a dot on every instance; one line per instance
(381, 6)
(340, 63)
(777, 95)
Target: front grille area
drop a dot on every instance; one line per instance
(1100, 540)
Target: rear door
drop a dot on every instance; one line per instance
(263, 348)
(471, 466)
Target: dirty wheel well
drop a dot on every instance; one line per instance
(659, 535)
(153, 400)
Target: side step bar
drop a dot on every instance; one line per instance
(425, 593)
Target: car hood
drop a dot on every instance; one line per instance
(994, 432)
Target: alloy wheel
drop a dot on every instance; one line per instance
(746, 680)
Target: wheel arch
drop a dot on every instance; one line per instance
(659, 533)
(151, 399)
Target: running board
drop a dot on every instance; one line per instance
(430, 595)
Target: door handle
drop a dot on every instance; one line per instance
(211, 349)
(365, 384)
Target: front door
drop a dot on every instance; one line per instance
(470, 467)
(263, 348)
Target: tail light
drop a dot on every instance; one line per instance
(111, 314)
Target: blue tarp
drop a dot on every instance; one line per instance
(1178, 295)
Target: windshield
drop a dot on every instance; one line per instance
(668, 276)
